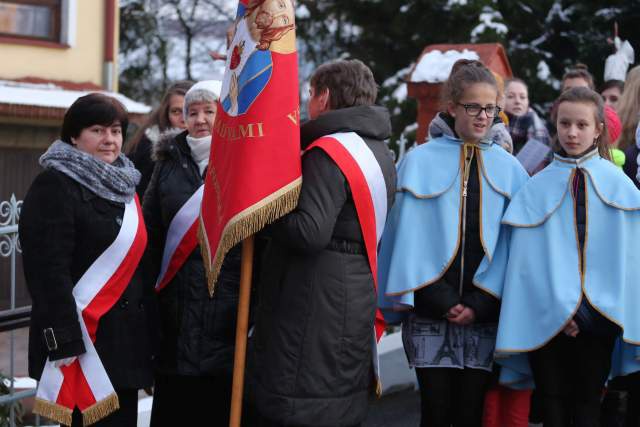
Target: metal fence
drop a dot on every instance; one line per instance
(15, 317)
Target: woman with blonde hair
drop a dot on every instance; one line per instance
(629, 108)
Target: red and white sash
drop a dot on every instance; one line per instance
(182, 239)
(366, 180)
(85, 382)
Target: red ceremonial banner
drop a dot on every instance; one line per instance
(254, 173)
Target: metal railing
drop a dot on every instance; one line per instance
(15, 317)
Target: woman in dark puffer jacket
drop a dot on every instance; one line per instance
(195, 357)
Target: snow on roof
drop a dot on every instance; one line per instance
(435, 66)
(54, 96)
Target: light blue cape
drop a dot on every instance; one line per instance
(421, 237)
(542, 280)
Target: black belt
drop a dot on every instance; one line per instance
(346, 247)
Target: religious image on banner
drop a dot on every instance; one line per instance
(249, 64)
(254, 173)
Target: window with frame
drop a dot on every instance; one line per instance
(31, 19)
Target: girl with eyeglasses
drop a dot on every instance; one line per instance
(441, 237)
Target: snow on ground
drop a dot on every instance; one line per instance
(435, 66)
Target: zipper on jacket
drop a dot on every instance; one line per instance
(578, 180)
(468, 152)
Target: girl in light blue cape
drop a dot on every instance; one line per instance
(440, 238)
(571, 281)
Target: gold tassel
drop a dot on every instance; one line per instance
(378, 388)
(53, 411)
(100, 410)
(245, 224)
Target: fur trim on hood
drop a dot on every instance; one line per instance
(443, 124)
(160, 149)
(153, 133)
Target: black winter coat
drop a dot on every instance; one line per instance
(197, 332)
(141, 158)
(587, 317)
(435, 300)
(311, 364)
(63, 228)
(631, 163)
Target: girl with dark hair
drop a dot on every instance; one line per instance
(570, 284)
(167, 117)
(611, 91)
(442, 235)
(82, 236)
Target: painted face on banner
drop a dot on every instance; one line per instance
(577, 127)
(102, 142)
(271, 14)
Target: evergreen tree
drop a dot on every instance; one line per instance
(143, 52)
(542, 40)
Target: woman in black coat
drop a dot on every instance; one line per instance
(72, 213)
(195, 360)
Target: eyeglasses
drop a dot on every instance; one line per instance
(474, 110)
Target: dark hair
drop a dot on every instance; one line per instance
(350, 83)
(464, 73)
(585, 95)
(611, 84)
(93, 109)
(579, 71)
(160, 116)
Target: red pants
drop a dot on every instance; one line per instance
(506, 407)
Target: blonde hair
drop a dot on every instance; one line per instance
(629, 108)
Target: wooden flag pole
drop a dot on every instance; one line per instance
(242, 328)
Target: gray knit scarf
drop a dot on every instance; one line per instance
(116, 181)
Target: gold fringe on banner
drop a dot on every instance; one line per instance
(100, 410)
(53, 411)
(245, 224)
